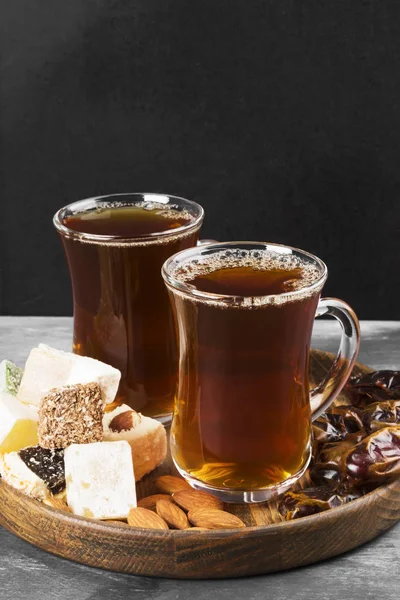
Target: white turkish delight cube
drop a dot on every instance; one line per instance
(100, 480)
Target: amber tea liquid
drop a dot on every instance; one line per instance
(242, 416)
(122, 315)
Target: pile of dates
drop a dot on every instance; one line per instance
(356, 446)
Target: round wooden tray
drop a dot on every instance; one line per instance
(266, 545)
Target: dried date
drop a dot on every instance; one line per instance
(374, 387)
(379, 415)
(327, 467)
(374, 460)
(311, 501)
(337, 424)
(303, 503)
(356, 447)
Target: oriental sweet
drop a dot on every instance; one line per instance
(71, 414)
(36, 471)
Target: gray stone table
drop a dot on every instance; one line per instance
(369, 572)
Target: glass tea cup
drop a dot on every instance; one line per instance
(243, 410)
(115, 247)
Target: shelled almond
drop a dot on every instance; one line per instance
(124, 421)
(192, 499)
(172, 514)
(143, 517)
(151, 501)
(169, 484)
(213, 518)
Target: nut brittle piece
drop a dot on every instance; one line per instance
(71, 415)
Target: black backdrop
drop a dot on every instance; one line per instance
(282, 117)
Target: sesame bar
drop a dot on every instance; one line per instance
(71, 414)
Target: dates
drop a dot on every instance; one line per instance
(376, 459)
(356, 446)
(303, 503)
(359, 462)
(311, 501)
(327, 466)
(374, 387)
(381, 414)
(336, 424)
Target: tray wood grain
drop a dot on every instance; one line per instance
(268, 544)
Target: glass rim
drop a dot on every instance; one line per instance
(91, 203)
(190, 291)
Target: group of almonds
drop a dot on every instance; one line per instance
(176, 506)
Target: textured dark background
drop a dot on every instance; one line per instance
(281, 117)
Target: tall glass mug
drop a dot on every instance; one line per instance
(115, 247)
(245, 311)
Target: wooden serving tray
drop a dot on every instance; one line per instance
(267, 544)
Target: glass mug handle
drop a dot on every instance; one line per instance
(326, 391)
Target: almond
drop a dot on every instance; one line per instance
(57, 503)
(142, 517)
(172, 514)
(116, 523)
(124, 421)
(151, 501)
(212, 518)
(192, 499)
(169, 484)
